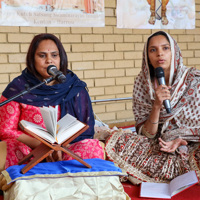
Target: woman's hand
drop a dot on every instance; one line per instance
(28, 140)
(162, 93)
(3, 183)
(55, 156)
(171, 146)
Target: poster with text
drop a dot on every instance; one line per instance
(156, 14)
(52, 13)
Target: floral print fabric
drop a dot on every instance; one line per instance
(140, 156)
(142, 159)
(13, 112)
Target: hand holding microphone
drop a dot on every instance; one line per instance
(57, 75)
(159, 72)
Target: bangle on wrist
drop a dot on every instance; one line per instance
(147, 133)
(153, 122)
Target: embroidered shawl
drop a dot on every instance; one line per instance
(184, 120)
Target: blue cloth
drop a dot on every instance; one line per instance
(64, 169)
(63, 94)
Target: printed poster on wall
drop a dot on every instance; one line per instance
(52, 13)
(156, 14)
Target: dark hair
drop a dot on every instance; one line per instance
(151, 69)
(30, 57)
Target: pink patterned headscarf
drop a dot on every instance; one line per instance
(185, 96)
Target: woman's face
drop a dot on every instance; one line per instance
(46, 54)
(159, 52)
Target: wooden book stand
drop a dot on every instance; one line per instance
(46, 148)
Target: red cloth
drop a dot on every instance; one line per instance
(192, 193)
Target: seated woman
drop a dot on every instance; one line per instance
(71, 96)
(166, 144)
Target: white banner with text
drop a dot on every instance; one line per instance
(52, 13)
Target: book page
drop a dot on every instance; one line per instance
(68, 132)
(155, 190)
(50, 121)
(65, 122)
(54, 113)
(183, 181)
(38, 130)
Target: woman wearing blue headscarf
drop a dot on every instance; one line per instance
(71, 97)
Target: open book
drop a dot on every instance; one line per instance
(165, 190)
(55, 132)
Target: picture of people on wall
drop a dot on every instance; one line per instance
(86, 6)
(58, 13)
(156, 14)
(89, 6)
(158, 10)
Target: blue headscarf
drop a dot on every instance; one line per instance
(62, 94)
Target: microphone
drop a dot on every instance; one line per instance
(159, 72)
(57, 75)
